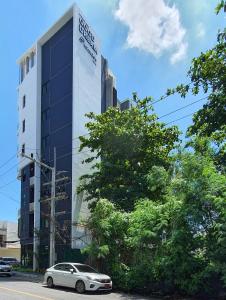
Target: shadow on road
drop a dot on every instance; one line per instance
(120, 296)
(69, 290)
(14, 278)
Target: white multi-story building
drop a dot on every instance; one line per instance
(62, 77)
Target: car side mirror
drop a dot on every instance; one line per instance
(72, 271)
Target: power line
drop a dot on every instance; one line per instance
(181, 108)
(10, 197)
(190, 104)
(9, 170)
(180, 118)
(5, 163)
(8, 183)
(166, 96)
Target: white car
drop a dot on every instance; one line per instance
(5, 269)
(79, 276)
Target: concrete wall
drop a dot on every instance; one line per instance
(12, 252)
(10, 232)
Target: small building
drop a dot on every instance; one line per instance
(9, 241)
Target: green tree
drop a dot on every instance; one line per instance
(208, 71)
(220, 6)
(207, 74)
(125, 146)
(174, 244)
(108, 249)
(192, 249)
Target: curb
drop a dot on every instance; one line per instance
(29, 276)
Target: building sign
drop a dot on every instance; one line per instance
(87, 39)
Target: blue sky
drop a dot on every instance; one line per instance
(149, 45)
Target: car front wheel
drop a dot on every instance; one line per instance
(50, 282)
(80, 287)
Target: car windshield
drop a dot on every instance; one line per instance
(2, 263)
(85, 269)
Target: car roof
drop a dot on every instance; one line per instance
(72, 263)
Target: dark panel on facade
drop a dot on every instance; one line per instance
(26, 199)
(104, 67)
(115, 97)
(125, 105)
(108, 90)
(56, 130)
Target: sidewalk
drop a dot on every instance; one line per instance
(33, 277)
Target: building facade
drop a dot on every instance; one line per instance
(63, 76)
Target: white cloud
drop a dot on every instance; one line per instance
(200, 30)
(153, 27)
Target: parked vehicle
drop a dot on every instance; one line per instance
(11, 261)
(5, 269)
(79, 276)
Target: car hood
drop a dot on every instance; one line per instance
(94, 275)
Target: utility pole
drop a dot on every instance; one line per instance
(52, 213)
(52, 201)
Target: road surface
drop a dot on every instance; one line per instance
(18, 288)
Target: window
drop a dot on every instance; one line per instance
(45, 143)
(32, 59)
(58, 267)
(23, 176)
(23, 126)
(45, 88)
(67, 267)
(31, 198)
(2, 243)
(32, 169)
(45, 114)
(64, 267)
(21, 72)
(24, 101)
(23, 149)
(85, 268)
(27, 64)
(31, 225)
(46, 223)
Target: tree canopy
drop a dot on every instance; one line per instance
(174, 244)
(126, 145)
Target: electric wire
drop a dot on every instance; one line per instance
(8, 183)
(176, 110)
(180, 118)
(8, 160)
(166, 96)
(9, 197)
(190, 104)
(11, 168)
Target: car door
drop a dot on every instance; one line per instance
(69, 278)
(57, 274)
